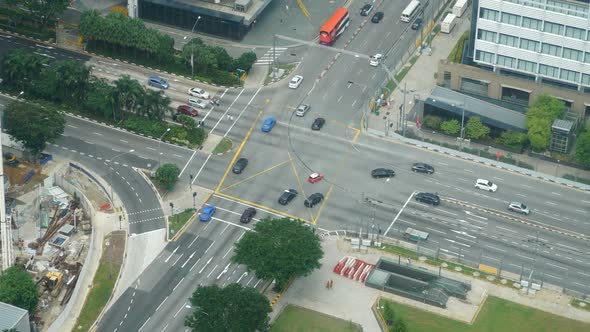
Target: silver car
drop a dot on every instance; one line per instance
(519, 207)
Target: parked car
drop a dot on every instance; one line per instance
(375, 59)
(428, 198)
(295, 81)
(207, 213)
(315, 177)
(199, 93)
(187, 110)
(248, 214)
(158, 82)
(366, 9)
(417, 24)
(240, 165)
(377, 17)
(318, 124)
(313, 200)
(486, 185)
(519, 207)
(268, 124)
(287, 196)
(382, 173)
(422, 168)
(302, 109)
(200, 103)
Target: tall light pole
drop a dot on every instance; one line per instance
(112, 170)
(159, 144)
(193, 47)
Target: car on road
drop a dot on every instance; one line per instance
(187, 110)
(422, 168)
(240, 165)
(428, 198)
(287, 196)
(302, 109)
(374, 60)
(318, 124)
(268, 124)
(248, 214)
(377, 17)
(366, 10)
(199, 93)
(315, 177)
(295, 81)
(378, 173)
(486, 185)
(417, 24)
(200, 103)
(519, 207)
(158, 82)
(207, 213)
(313, 200)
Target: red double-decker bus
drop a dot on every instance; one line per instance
(334, 27)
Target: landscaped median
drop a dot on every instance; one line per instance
(177, 221)
(294, 318)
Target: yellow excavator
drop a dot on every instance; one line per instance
(51, 282)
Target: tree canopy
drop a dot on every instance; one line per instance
(582, 153)
(476, 129)
(540, 117)
(43, 11)
(230, 309)
(279, 249)
(17, 288)
(33, 125)
(451, 127)
(167, 175)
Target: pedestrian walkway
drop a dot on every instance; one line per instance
(270, 56)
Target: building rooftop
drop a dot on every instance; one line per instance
(10, 316)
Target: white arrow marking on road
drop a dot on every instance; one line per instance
(245, 274)
(173, 252)
(459, 243)
(463, 233)
(189, 258)
(204, 266)
(176, 261)
(224, 271)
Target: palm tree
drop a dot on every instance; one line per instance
(128, 94)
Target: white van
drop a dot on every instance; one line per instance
(447, 25)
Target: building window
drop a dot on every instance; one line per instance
(572, 54)
(472, 86)
(488, 14)
(551, 49)
(527, 66)
(575, 32)
(587, 58)
(486, 35)
(510, 19)
(506, 61)
(569, 75)
(530, 45)
(586, 81)
(548, 70)
(553, 28)
(515, 96)
(484, 56)
(508, 40)
(531, 23)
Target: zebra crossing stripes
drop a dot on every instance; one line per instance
(267, 58)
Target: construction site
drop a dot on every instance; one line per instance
(49, 215)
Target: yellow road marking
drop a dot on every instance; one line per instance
(291, 107)
(299, 184)
(237, 153)
(260, 206)
(257, 174)
(356, 136)
(303, 8)
(323, 203)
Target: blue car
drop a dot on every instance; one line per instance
(268, 124)
(207, 213)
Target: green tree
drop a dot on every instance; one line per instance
(17, 288)
(127, 96)
(20, 68)
(186, 121)
(64, 82)
(451, 127)
(43, 11)
(582, 154)
(167, 175)
(540, 117)
(245, 61)
(475, 129)
(399, 326)
(232, 308)
(539, 133)
(100, 98)
(223, 59)
(432, 121)
(279, 249)
(205, 59)
(33, 125)
(512, 139)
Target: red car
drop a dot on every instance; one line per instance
(187, 110)
(315, 177)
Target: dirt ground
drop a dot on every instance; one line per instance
(17, 174)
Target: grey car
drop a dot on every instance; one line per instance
(519, 207)
(302, 109)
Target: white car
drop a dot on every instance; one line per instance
(519, 207)
(197, 102)
(486, 185)
(197, 92)
(295, 81)
(375, 60)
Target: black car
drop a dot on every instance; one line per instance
(417, 24)
(287, 196)
(366, 9)
(377, 17)
(318, 124)
(313, 199)
(428, 198)
(240, 165)
(247, 216)
(382, 173)
(422, 168)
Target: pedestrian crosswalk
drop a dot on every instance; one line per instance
(267, 58)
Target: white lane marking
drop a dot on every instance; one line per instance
(226, 111)
(95, 133)
(459, 243)
(498, 249)
(173, 289)
(554, 193)
(186, 165)
(150, 148)
(466, 170)
(443, 164)
(436, 230)
(584, 274)
(451, 213)
(563, 245)
(492, 258)
(200, 169)
(242, 112)
(72, 126)
(124, 141)
(231, 223)
(581, 211)
(162, 303)
(526, 186)
(146, 321)
(407, 222)
(497, 178)
(552, 276)
(339, 98)
(173, 252)
(526, 257)
(353, 103)
(585, 202)
(550, 203)
(475, 215)
(521, 195)
(506, 229)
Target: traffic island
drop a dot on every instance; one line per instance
(177, 221)
(224, 145)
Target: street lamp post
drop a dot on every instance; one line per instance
(193, 47)
(194, 200)
(159, 144)
(112, 170)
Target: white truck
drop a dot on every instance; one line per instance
(447, 25)
(460, 7)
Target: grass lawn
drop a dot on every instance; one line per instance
(496, 315)
(178, 220)
(297, 319)
(223, 146)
